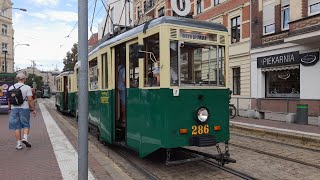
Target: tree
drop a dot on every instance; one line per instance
(37, 79)
(71, 58)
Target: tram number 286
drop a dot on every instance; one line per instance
(200, 129)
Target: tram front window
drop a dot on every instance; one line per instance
(200, 64)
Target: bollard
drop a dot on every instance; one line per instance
(302, 114)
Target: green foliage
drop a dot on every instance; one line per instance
(71, 58)
(37, 79)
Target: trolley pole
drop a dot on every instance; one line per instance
(83, 90)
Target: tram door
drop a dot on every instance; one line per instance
(65, 93)
(120, 93)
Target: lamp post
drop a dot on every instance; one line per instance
(21, 9)
(5, 51)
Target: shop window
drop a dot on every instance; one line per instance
(4, 29)
(284, 83)
(268, 17)
(93, 74)
(285, 17)
(235, 29)
(152, 61)
(314, 7)
(161, 12)
(200, 6)
(104, 65)
(236, 80)
(134, 68)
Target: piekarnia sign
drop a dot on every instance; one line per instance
(279, 59)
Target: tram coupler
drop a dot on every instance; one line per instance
(223, 159)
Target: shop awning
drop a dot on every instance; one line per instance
(280, 68)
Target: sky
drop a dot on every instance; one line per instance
(50, 27)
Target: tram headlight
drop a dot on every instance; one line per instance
(202, 115)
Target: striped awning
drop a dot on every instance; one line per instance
(280, 68)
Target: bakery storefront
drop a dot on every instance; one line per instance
(280, 81)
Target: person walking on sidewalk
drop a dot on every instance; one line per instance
(21, 104)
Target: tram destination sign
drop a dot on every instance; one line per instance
(279, 59)
(194, 35)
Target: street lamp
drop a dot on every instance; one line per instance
(5, 51)
(21, 9)
(20, 45)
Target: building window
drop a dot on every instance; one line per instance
(200, 6)
(216, 2)
(2, 66)
(285, 83)
(285, 17)
(236, 80)
(4, 12)
(268, 17)
(138, 13)
(235, 29)
(161, 12)
(5, 46)
(4, 29)
(314, 7)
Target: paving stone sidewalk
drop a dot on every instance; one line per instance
(279, 124)
(37, 162)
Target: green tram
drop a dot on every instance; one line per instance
(66, 95)
(175, 79)
(6, 80)
(45, 91)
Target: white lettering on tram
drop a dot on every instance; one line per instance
(182, 11)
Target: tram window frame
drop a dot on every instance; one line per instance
(174, 64)
(133, 66)
(104, 66)
(93, 74)
(150, 67)
(218, 68)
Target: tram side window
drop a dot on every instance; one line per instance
(134, 68)
(152, 62)
(174, 63)
(198, 65)
(104, 75)
(93, 74)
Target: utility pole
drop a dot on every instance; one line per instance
(83, 90)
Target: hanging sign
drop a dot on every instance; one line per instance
(279, 59)
(309, 59)
(184, 7)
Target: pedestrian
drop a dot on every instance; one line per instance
(20, 103)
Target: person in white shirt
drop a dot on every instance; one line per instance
(20, 114)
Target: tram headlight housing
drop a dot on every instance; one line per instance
(202, 115)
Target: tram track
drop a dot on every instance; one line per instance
(275, 155)
(229, 170)
(275, 142)
(147, 172)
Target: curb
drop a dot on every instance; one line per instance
(277, 131)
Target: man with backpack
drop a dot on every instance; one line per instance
(20, 105)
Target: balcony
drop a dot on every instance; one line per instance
(149, 7)
(305, 30)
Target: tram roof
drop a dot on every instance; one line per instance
(66, 73)
(162, 20)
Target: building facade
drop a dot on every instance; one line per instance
(119, 14)
(6, 36)
(48, 77)
(284, 58)
(235, 15)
